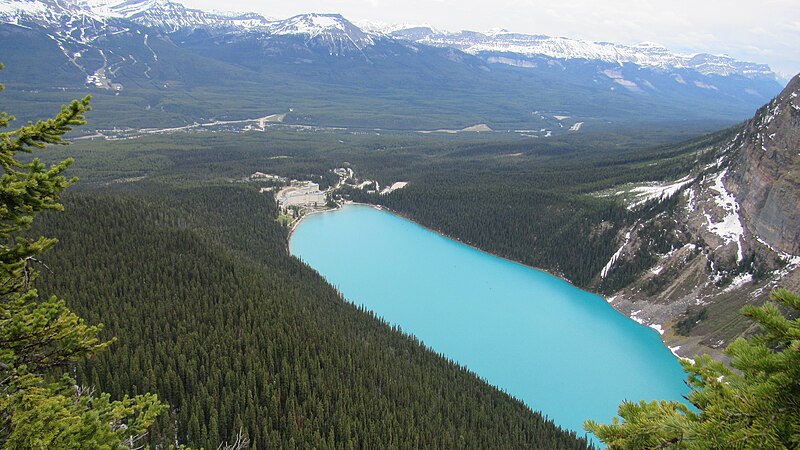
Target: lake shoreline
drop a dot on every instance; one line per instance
(444, 235)
(493, 317)
(672, 345)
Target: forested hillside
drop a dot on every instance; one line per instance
(212, 314)
(530, 200)
(537, 203)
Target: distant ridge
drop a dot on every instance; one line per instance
(164, 64)
(173, 16)
(646, 54)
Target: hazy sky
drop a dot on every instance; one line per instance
(766, 31)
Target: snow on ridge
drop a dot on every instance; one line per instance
(646, 54)
(647, 193)
(575, 49)
(329, 26)
(153, 13)
(730, 229)
(128, 10)
(312, 24)
(15, 6)
(791, 263)
(788, 258)
(384, 28)
(117, 8)
(315, 24)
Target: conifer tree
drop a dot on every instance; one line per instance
(41, 406)
(753, 404)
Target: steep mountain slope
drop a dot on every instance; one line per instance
(158, 63)
(728, 233)
(767, 172)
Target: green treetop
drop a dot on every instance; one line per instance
(39, 338)
(753, 404)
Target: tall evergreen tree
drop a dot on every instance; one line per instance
(40, 337)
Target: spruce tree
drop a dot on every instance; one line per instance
(41, 406)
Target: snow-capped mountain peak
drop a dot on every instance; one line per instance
(331, 28)
(172, 16)
(312, 24)
(162, 14)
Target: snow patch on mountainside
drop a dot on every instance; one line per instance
(617, 77)
(730, 229)
(739, 281)
(646, 193)
(615, 257)
(702, 85)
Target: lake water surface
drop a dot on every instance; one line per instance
(561, 350)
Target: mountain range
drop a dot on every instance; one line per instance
(335, 30)
(156, 62)
(646, 55)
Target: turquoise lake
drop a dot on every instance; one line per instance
(563, 351)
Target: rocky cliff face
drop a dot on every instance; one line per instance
(732, 230)
(767, 171)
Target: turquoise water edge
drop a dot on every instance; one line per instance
(561, 350)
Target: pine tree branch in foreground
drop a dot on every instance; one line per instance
(37, 408)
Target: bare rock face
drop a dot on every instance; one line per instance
(767, 171)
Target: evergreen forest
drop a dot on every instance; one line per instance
(211, 313)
